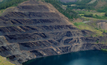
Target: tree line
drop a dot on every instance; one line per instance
(68, 12)
(7, 3)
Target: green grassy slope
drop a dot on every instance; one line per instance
(7, 3)
(4, 61)
(68, 13)
(89, 10)
(99, 5)
(83, 4)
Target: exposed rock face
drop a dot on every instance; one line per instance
(36, 29)
(102, 25)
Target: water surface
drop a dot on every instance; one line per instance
(74, 58)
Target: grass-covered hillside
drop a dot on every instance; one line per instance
(99, 5)
(7, 3)
(4, 61)
(90, 11)
(84, 8)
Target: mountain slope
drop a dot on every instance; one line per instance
(36, 29)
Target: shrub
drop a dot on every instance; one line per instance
(88, 15)
(106, 14)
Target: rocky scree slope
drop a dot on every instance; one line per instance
(36, 29)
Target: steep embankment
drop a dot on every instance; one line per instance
(36, 29)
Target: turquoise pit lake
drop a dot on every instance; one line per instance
(75, 58)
